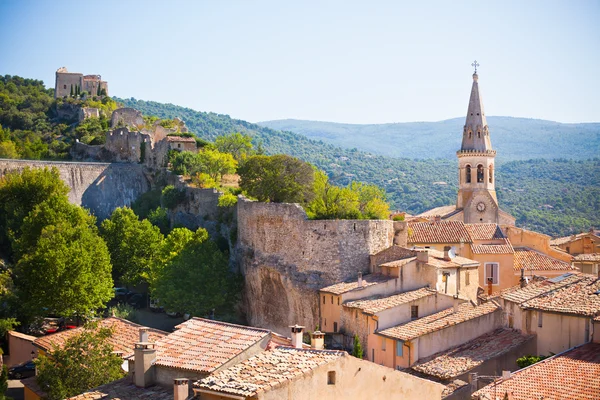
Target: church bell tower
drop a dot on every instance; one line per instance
(477, 193)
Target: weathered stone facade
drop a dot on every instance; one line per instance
(287, 258)
(67, 81)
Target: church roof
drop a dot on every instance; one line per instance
(476, 123)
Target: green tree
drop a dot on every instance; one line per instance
(72, 93)
(332, 202)
(20, 193)
(357, 350)
(8, 149)
(159, 218)
(278, 179)
(4, 383)
(236, 144)
(64, 265)
(197, 279)
(85, 361)
(171, 196)
(133, 245)
(216, 164)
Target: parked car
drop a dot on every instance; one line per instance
(137, 300)
(23, 370)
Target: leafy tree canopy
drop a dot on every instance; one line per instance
(85, 361)
(236, 144)
(211, 162)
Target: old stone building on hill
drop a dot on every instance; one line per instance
(66, 82)
(477, 201)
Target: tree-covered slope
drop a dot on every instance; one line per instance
(513, 138)
(556, 197)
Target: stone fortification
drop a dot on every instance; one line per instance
(286, 258)
(129, 117)
(100, 187)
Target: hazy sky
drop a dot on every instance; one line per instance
(343, 61)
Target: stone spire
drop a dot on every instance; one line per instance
(476, 136)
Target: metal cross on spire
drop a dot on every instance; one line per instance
(475, 64)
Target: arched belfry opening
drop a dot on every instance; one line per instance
(468, 174)
(480, 173)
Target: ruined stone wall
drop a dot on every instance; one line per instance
(126, 117)
(124, 145)
(100, 187)
(287, 258)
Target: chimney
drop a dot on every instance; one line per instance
(506, 374)
(144, 354)
(437, 218)
(522, 281)
(297, 336)
(423, 256)
(455, 304)
(181, 389)
(144, 335)
(447, 253)
(489, 282)
(360, 282)
(317, 340)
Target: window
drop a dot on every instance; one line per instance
(480, 173)
(373, 355)
(540, 317)
(468, 176)
(491, 173)
(414, 312)
(64, 86)
(325, 322)
(331, 378)
(470, 133)
(323, 299)
(399, 348)
(331, 299)
(335, 327)
(383, 340)
(338, 301)
(491, 272)
(467, 280)
(179, 145)
(479, 133)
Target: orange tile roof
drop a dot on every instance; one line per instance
(278, 340)
(125, 389)
(376, 305)
(267, 370)
(587, 257)
(398, 263)
(572, 375)
(436, 259)
(505, 248)
(517, 294)
(368, 280)
(440, 320)
(581, 297)
(532, 260)
(439, 232)
(567, 239)
(438, 212)
(484, 231)
(204, 345)
(458, 360)
(126, 334)
(172, 138)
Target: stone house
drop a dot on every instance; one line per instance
(587, 263)
(291, 373)
(582, 243)
(560, 311)
(181, 143)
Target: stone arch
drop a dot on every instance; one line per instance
(468, 173)
(480, 173)
(491, 173)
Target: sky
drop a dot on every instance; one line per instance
(340, 61)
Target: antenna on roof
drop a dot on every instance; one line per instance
(451, 252)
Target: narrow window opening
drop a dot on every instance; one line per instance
(540, 316)
(480, 173)
(399, 348)
(467, 280)
(491, 173)
(323, 299)
(355, 227)
(331, 378)
(331, 299)
(383, 340)
(338, 301)
(414, 312)
(479, 135)
(468, 176)
(335, 327)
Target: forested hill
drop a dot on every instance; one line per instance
(556, 197)
(513, 138)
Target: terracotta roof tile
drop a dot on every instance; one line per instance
(436, 259)
(204, 345)
(439, 232)
(180, 139)
(520, 295)
(440, 320)
(376, 305)
(532, 260)
(267, 370)
(456, 361)
(587, 257)
(574, 374)
(126, 335)
(367, 280)
(398, 263)
(484, 231)
(505, 248)
(438, 212)
(278, 340)
(125, 389)
(568, 239)
(581, 297)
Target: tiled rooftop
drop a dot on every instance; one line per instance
(484, 231)
(438, 212)
(367, 280)
(456, 361)
(573, 375)
(180, 139)
(440, 320)
(267, 370)
(439, 232)
(519, 295)
(398, 263)
(587, 257)
(204, 345)
(532, 260)
(436, 258)
(126, 334)
(278, 340)
(124, 389)
(505, 248)
(375, 305)
(581, 297)
(567, 239)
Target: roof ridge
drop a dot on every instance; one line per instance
(225, 323)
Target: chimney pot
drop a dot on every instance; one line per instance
(143, 335)
(297, 331)
(317, 340)
(144, 356)
(181, 389)
(423, 255)
(506, 374)
(447, 253)
(360, 280)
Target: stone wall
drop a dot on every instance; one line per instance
(287, 258)
(126, 117)
(100, 187)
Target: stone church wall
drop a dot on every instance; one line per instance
(100, 187)
(287, 258)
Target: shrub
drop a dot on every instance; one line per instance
(171, 196)
(227, 200)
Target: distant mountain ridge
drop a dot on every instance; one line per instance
(513, 138)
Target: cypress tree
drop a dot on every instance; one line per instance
(71, 90)
(357, 350)
(98, 91)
